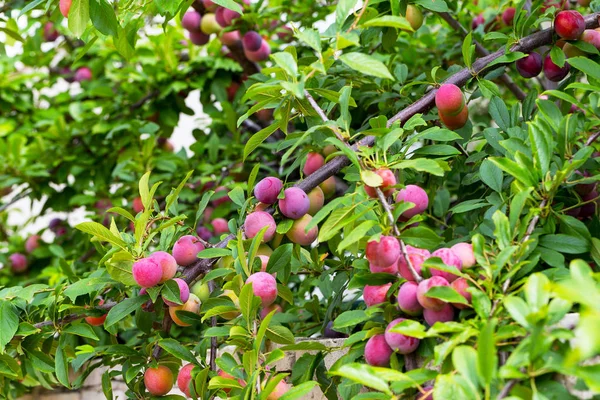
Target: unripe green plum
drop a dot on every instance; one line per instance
(398, 342)
(201, 290)
(167, 262)
(424, 286)
(258, 220)
(464, 251)
(446, 314)
(298, 234)
(414, 16)
(317, 199)
(407, 299)
(146, 272)
(329, 149)
(191, 305)
(209, 24)
(295, 204)
(389, 180)
(569, 25)
(159, 381)
(184, 378)
(449, 100)
(378, 352)
(264, 286)
(264, 250)
(313, 162)
(186, 250)
(374, 295)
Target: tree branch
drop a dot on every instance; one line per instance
(482, 51)
(18, 197)
(592, 138)
(507, 388)
(322, 114)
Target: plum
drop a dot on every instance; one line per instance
(416, 257)
(264, 286)
(258, 220)
(569, 25)
(298, 234)
(191, 305)
(186, 250)
(147, 272)
(398, 342)
(267, 190)
(454, 122)
(316, 198)
(184, 378)
(407, 299)
(449, 100)
(553, 72)
(416, 195)
(167, 263)
(295, 204)
(378, 352)
(32, 243)
(314, 161)
(252, 41)
(191, 21)
(464, 251)
(383, 253)
(461, 285)
(158, 380)
(389, 180)
(429, 302)
(259, 55)
(444, 315)
(220, 226)
(530, 66)
(449, 258)
(374, 295)
(184, 292)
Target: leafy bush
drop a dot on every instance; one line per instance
(422, 199)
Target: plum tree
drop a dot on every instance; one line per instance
(147, 272)
(298, 233)
(159, 380)
(569, 24)
(449, 258)
(407, 299)
(431, 303)
(267, 190)
(257, 221)
(383, 253)
(398, 342)
(295, 203)
(374, 295)
(184, 292)
(378, 352)
(186, 249)
(264, 286)
(389, 180)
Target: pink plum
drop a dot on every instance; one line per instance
(298, 234)
(407, 299)
(18, 262)
(264, 286)
(461, 285)
(166, 262)
(259, 55)
(398, 342)
(314, 161)
(374, 295)
(383, 253)
(267, 190)
(449, 258)
(191, 21)
(184, 378)
(446, 314)
(424, 286)
(184, 292)
(464, 251)
(389, 180)
(378, 352)
(295, 204)
(186, 250)
(416, 257)
(146, 272)
(219, 226)
(416, 195)
(258, 220)
(32, 243)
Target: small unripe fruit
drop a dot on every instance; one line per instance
(184, 378)
(65, 6)
(569, 25)
(416, 195)
(295, 204)
(424, 286)
(258, 220)
(461, 285)
(146, 272)
(398, 342)
(407, 299)
(32, 243)
(252, 41)
(464, 251)
(50, 33)
(259, 55)
(374, 295)
(230, 38)
(191, 21)
(449, 258)
(529, 66)
(416, 257)
(389, 180)
(220, 226)
(508, 16)
(209, 24)
(298, 234)
(317, 199)
(446, 314)
(455, 122)
(83, 74)
(191, 305)
(383, 253)
(184, 292)
(314, 161)
(328, 187)
(201, 290)
(263, 286)
(449, 100)
(199, 38)
(166, 262)
(414, 16)
(553, 72)
(159, 381)
(378, 352)
(572, 51)
(267, 190)
(186, 250)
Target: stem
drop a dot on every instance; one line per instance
(592, 138)
(507, 388)
(390, 216)
(358, 17)
(18, 197)
(322, 114)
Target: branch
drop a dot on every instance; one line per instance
(592, 138)
(18, 197)
(144, 99)
(322, 114)
(166, 325)
(507, 388)
(390, 216)
(73, 317)
(482, 51)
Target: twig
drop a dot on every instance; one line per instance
(390, 216)
(73, 317)
(592, 138)
(358, 17)
(322, 114)
(482, 51)
(144, 99)
(507, 388)
(166, 326)
(18, 197)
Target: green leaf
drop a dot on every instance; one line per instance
(421, 236)
(447, 294)
(102, 233)
(464, 359)
(259, 137)
(172, 197)
(170, 292)
(299, 391)
(103, 17)
(499, 112)
(280, 334)
(365, 375)
(286, 62)
(248, 303)
(491, 175)
(541, 146)
(79, 15)
(487, 360)
(312, 38)
(515, 170)
(123, 309)
(432, 167)
(9, 323)
(350, 318)
(229, 4)
(518, 310)
(61, 363)
(214, 252)
(175, 348)
(586, 65)
(83, 330)
(356, 234)
(107, 385)
(366, 64)
(468, 49)
(342, 10)
(433, 5)
(391, 21)
(410, 328)
(565, 243)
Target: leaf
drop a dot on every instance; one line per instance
(107, 385)
(350, 318)
(85, 286)
(61, 363)
(499, 112)
(491, 175)
(541, 146)
(356, 234)
(365, 375)
(123, 309)
(214, 252)
(464, 359)
(487, 360)
(391, 21)
(229, 4)
(447, 294)
(342, 10)
(103, 17)
(366, 64)
(175, 348)
(259, 137)
(586, 66)
(99, 231)
(299, 391)
(433, 5)
(515, 170)
(83, 330)
(30, 6)
(79, 15)
(172, 197)
(421, 236)
(312, 38)
(280, 334)
(286, 62)
(9, 323)
(423, 165)
(565, 243)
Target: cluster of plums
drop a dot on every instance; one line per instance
(385, 256)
